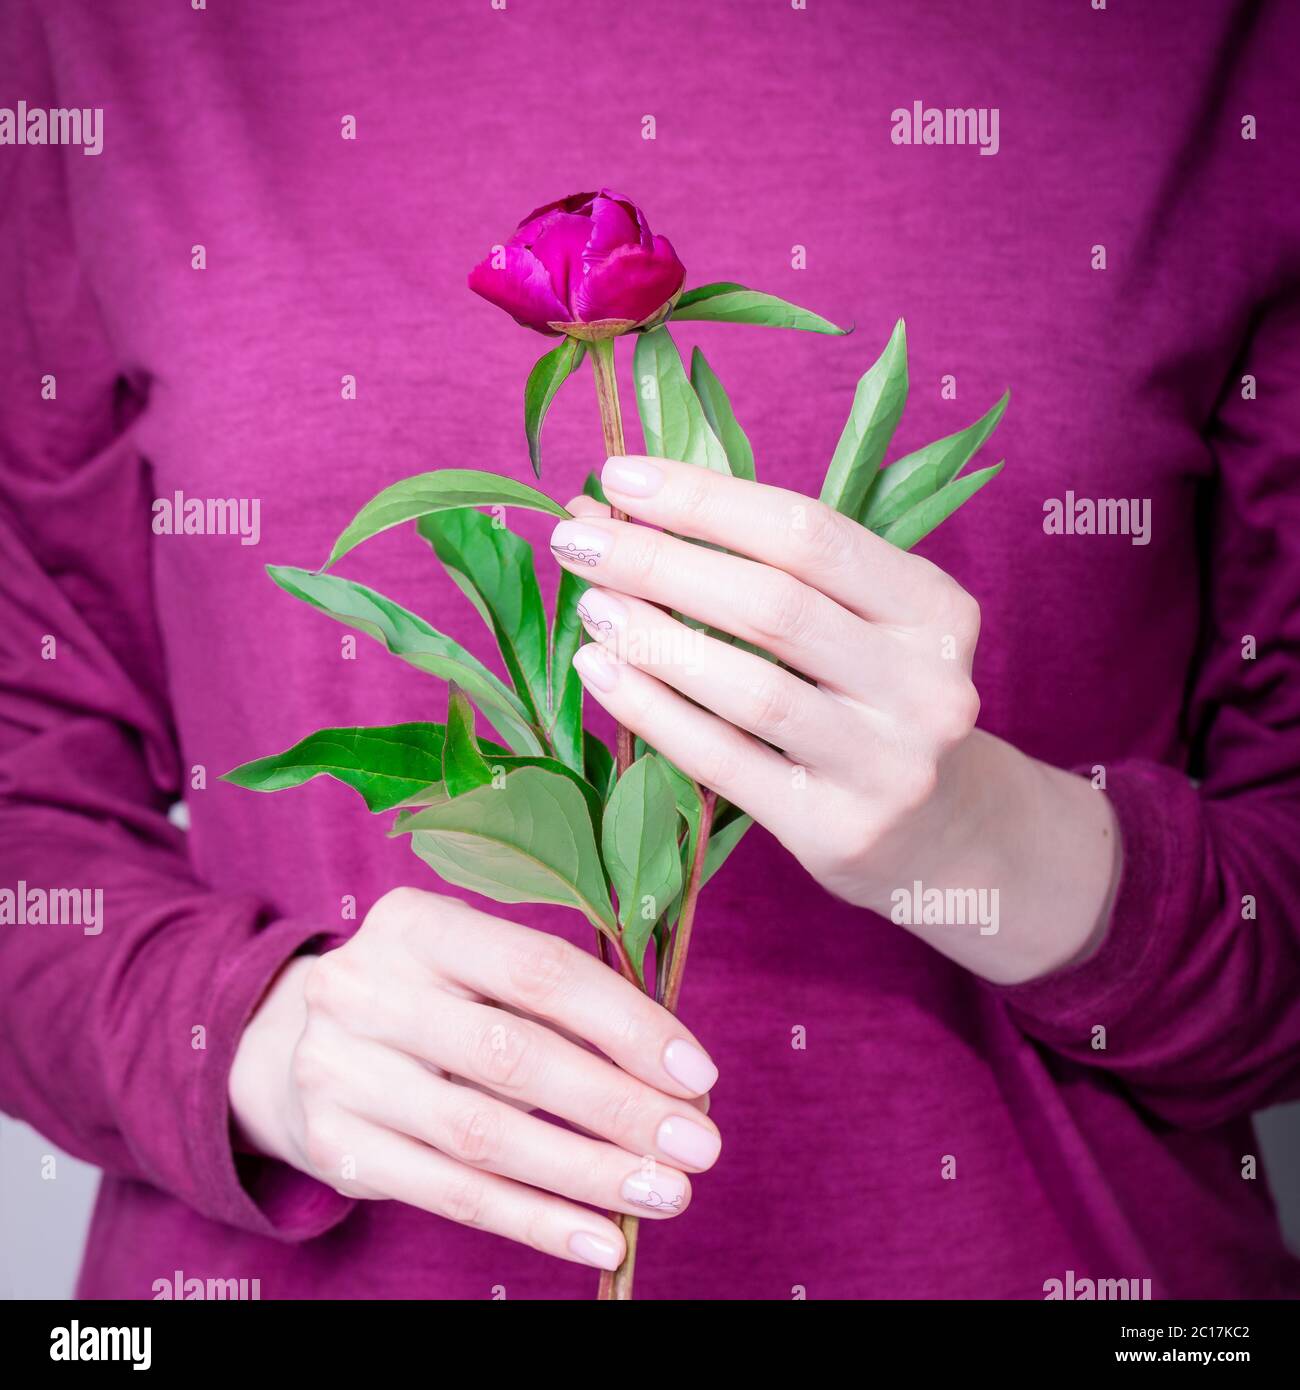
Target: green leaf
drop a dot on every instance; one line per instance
(528, 840)
(690, 810)
(920, 520)
(877, 405)
(592, 488)
(639, 841)
(413, 640)
(547, 376)
(672, 418)
(722, 419)
(441, 491)
(463, 766)
(564, 698)
(386, 765)
(910, 480)
(721, 843)
(730, 303)
(494, 569)
(598, 764)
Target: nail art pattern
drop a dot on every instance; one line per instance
(602, 626)
(576, 554)
(655, 1202)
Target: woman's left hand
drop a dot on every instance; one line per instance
(862, 758)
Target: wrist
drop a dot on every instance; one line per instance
(258, 1087)
(1037, 848)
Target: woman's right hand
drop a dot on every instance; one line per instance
(405, 1065)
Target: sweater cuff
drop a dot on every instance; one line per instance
(1158, 812)
(261, 1195)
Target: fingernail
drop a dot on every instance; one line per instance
(578, 544)
(658, 1190)
(601, 613)
(688, 1142)
(683, 1061)
(633, 477)
(595, 1250)
(595, 666)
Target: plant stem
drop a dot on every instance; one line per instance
(611, 424)
(682, 936)
(616, 1285)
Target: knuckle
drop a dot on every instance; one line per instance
(500, 1054)
(959, 711)
(768, 705)
(464, 1199)
(320, 1144)
(780, 610)
(326, 985)
(542, 968)
(825, 537)
(915, 785)
(718, 764)
(694, 495)
(396, 906)
(959, 613)
(474, 1135)
(309, 1067)
(620, 1117)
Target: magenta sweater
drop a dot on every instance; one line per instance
(934, 1137)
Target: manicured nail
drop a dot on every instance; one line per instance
(633, 477)
(683, 1061)
(688, 1142)
(578, 544)
(595, 1250)
(658, 1190)
(602, 614)
(596, 667)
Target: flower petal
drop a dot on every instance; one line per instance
(612, 225)
(561, 247)
(521, 287)
(633, 283)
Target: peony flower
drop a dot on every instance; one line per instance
(586, 266)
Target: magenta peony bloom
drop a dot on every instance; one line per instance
(586, 266)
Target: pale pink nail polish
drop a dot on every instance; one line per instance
(658, 1190)
(684, 1062)
(633, 477)
(595, 1250)
(597, 668)
(602, 614)
(578, 544)
(687, 1142)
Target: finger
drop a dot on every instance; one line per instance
(753, 601)
(517, 1059)
(742, 688)
(421, 1177)
(546, 977)
(708, 749)
(481, 1131)
(801, 536)
(582, 505)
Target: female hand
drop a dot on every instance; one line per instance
(403, 1065)
(862, 758)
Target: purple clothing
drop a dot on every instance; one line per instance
(328, 257)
